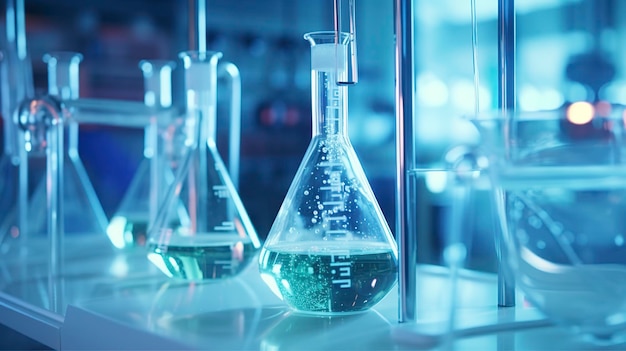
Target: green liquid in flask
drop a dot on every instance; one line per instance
(220, 256)
(327, 279)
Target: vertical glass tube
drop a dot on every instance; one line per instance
(201, 99)
(55, 211)
(41, 123)
(345, 22)
(16, 85)
(329, 99)
(10, 185)
(17, 81)
(157, 78)
(230, 71)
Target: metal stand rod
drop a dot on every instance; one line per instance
(405, 87)
(506, 90)
(197, 25)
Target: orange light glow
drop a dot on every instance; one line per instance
(580, 112)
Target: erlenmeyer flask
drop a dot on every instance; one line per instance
(202, 230)
(330, 249)
(83, 212)
(129, 225)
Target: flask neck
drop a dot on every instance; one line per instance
(329, 104)
(201, 91)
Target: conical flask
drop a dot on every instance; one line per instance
(83, 212)
(330, 249)
(128, 227)
(202, 230)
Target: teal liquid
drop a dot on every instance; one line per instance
(202, 261)
(328, 281)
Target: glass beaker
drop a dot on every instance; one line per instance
(137, 210)
(330, 249)
(202, 230)
(560, 180)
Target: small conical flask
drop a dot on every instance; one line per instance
(330, 249)
(129, 224)
(83, 212)
(202, 230)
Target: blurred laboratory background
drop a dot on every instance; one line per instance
(265, 40)
(560, 45)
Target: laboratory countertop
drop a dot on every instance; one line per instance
(116, 300)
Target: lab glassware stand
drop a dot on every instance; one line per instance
(408, 198)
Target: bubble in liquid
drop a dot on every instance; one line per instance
(306, 192)
(320, 206)
(619, 240)
(541, 244)
(313, 220)
(534, 222)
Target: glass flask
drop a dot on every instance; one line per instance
(128, 227)
(560, 180)
(329, 249)
(83, 212)
(202, 230)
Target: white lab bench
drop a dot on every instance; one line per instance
(117, 300)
